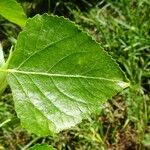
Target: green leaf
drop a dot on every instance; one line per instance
(3, 81)
(3, 66)
(13, 11)
(59, 75)
(42, 147)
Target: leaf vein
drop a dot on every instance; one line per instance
(30, 100)
(47, 46)
(48, 98)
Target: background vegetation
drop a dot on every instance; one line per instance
(122, 27)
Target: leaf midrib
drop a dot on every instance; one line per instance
(59, 75)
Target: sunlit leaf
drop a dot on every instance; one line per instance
(13, 11)
(59, 75)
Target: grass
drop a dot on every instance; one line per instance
(123, 29)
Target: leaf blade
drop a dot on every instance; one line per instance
(61, 75)
(42, 147)
(13, 11)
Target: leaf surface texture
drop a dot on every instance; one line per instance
(13, 11)
(59, 75)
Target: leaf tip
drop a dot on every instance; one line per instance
(123, 84)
